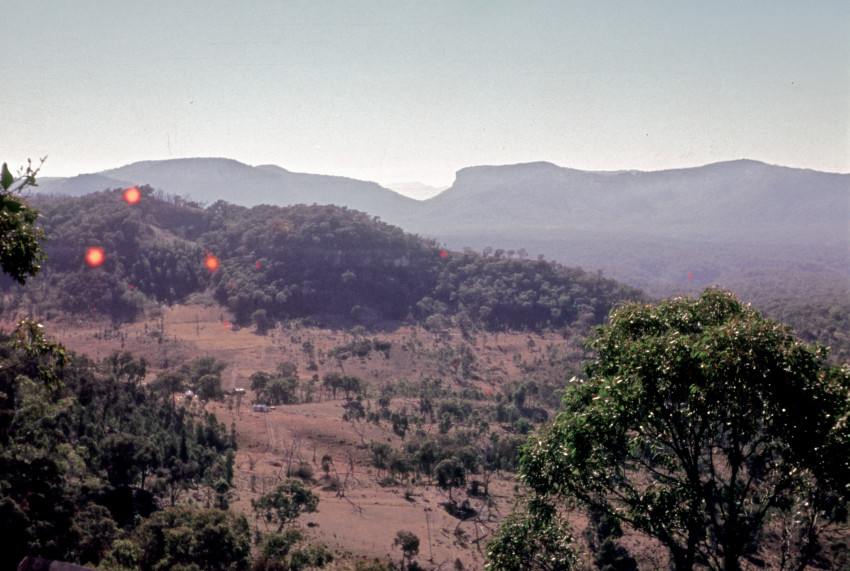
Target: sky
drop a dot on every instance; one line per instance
(395, 91)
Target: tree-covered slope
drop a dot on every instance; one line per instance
(297, 261)
(84, 462)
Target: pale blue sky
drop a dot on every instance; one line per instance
(396, 91)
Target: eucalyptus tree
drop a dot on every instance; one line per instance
(703, 425)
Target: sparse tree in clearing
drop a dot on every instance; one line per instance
(332, 381)
(202, 366)
(261, 321)
(277, 546)
(209, 388)
(287, 369)
(450, 474)
(409, 544)
(259, 380)
(352, 385)
(380, 454)
(280, 391)
(310, 556)
(327, 464)
(285, 503)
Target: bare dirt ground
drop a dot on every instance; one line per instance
(362, 520)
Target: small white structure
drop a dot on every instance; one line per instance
(261, 408)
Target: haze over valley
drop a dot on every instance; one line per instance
(741, 224)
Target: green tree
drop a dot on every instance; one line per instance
(20, 240)
(280, 391)
(206, 539)
(535, 540)
(168, 383)
(699, 422)
(285, 503)
(209, 388)
(601, 534)
(259, 381)
(94, 531)
(123, 555)
(124, 367)
(450, 474)
(278, 545)
(409, 544)
(261, 321)
(126, 458)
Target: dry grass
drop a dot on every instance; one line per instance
(363, 520)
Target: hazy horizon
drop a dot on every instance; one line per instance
(394, 91)
(413, 189)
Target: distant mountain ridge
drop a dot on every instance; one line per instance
(718, 223)
(738, 198)
(742, 224)
(744, 199)
(211, 179)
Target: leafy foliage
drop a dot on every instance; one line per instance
(699, 422)
(202, 539)
(203, 376)
(408, 542)
(20, 240)
(91, 454)
(537, 540)
(285, 503)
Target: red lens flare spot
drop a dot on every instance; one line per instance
(227, 325)
(489, 391)
(257, 265)
(95, 257)
(443, 254)
(690, 276)
(132, 287)
(211, 262)
(132, 195)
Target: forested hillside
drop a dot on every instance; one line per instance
(275, 263)
(75, 458)
(776, 236)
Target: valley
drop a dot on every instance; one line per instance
(358, 522)
(397, 380)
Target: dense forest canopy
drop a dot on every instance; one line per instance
(299, 261)
(76, 459)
